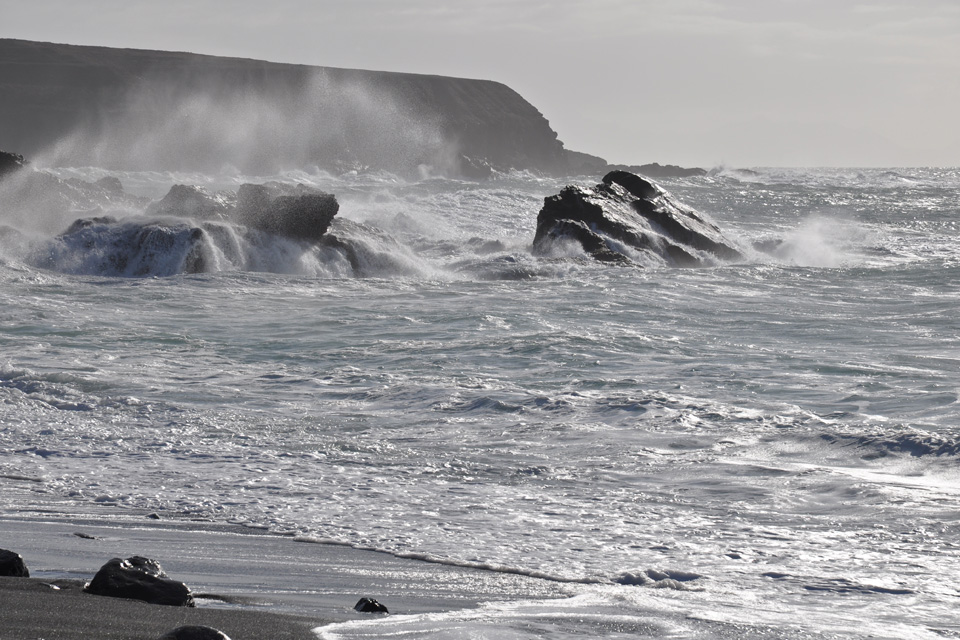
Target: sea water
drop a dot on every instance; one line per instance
(761, 448)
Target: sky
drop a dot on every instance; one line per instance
(705, 83)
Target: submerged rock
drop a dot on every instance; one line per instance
(369, 605)
(194, 632)
(139, 578)
(625, 217)
(368, 251)
(103, 245)
(12, 565)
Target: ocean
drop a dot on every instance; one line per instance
(764, 448)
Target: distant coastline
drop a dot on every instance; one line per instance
(157, 110)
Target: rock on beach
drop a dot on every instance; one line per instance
(12, 565)
(139, 578)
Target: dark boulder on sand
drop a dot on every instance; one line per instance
(627, 219)
(194, 632)
(139, 578)
(12, 565)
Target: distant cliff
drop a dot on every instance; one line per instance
(141, 109)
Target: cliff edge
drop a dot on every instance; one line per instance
(138, 109)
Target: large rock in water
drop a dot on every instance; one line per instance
(297, 212)
(195, 202)
(139, 578)
(626, 218)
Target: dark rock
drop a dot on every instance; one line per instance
(300, 213)
(190, 201)
(657, 170)
(12, 565)
(475, 169)
(85, 223)
(626, 215)
(138, 578)
(110, 183)
(194, 633)
(369, 605)
(10, 162)
(129, 248)
(582, 164)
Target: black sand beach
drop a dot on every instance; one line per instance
(246, 583)
(59, 610)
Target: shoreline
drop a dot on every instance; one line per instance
(247, 583)
(60, 610)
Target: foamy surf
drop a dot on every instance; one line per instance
(782, 427)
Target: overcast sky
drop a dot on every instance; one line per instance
(690, 82)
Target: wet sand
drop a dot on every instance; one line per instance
(248, 584)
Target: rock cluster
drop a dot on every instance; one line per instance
(626, 219)
(297, 212)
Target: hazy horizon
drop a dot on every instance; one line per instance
(690, 82)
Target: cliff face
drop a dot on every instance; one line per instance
(163, 110)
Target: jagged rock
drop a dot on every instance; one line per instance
(625, 216)
(12, 565)
(139, 578)
(369, 605)
(10, 162)
(191, 201)
(299, 212)
(194, 632)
